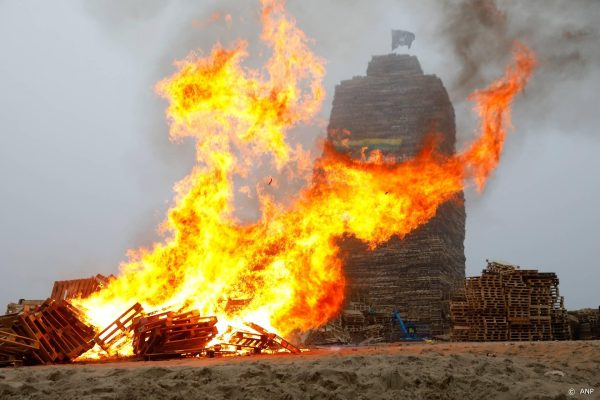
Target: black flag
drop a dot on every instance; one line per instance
(401, 38)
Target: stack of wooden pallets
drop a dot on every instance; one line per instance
(485, 297)
(541, 303)
(390, 110)
(586, 323)
(508, 303)
(518, 306)
(51, 333)
(459, 308)
(169, 333)
(353, 320)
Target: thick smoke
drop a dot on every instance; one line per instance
(471, 27)
(563, 34)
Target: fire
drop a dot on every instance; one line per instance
(283, 271)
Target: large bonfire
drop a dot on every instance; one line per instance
(283, 271)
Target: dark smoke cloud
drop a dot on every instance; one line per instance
(564, 35)
(471, 27)
(481, 32)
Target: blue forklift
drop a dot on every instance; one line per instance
(406, 332)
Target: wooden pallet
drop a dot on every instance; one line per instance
(78, 288)
(59, 330)
(247, 340)
(276, 338)
(118, 329)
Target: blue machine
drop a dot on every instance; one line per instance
(408, 333)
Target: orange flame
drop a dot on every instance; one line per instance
(285, 266)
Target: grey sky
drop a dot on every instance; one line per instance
(86, 168)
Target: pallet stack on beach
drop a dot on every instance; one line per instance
(54, 331)
(51, 333)
(509, 303)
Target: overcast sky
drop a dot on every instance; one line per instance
(86, 169)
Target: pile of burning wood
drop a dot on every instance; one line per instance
(171, 334)
(55, 332)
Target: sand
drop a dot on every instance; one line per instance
(518, 370)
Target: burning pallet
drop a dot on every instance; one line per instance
(275, 339)
(172, 334)
(242, 340)
(118, 330)
(54, 332)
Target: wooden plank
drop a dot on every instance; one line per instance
(275, 338)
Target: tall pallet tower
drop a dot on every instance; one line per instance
(392, 109)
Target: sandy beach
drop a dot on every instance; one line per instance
(516, 370)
